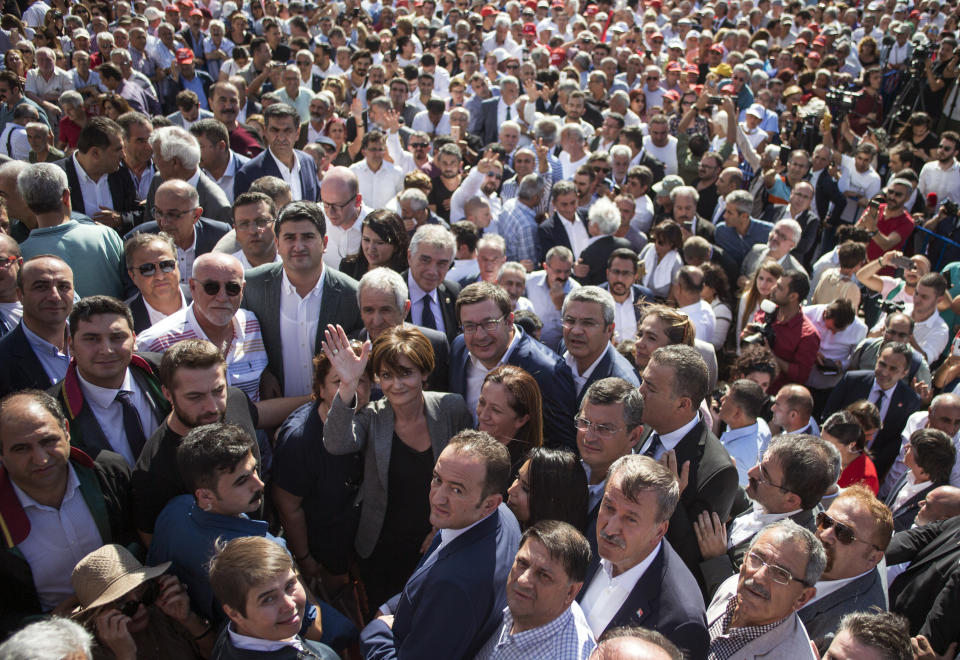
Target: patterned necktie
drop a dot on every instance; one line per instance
(655, 445)
(132, 425)
(427, 319)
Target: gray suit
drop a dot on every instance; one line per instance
(177, 118)
(758, 254)
(213, 200)
(338, 304)
(822, 617)
(372, 429)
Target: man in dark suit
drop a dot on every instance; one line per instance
(110, 405)
(826, 190)
(152, 265)
(604, 222)
(588, 327)
(929, 456)
(179, 214)
(384, 303)
(433, 299)
(99, 154)
(290, 289)
(495, 111)
(489, 339)
(639, 498)
(850, 581)
(883, 387)
(674, 385)
(684, 200)
(621, 278)
(46, 292)
(564, 222)
(454, 601)
(299, 170)
(804, 466)
(177, 157)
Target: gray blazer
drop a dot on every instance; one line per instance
(788, 640)
(372, 429)
(822, 617)
(338, 304)
(757, 255)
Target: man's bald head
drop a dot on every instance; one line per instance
(635, 643)
(940, 503)
(340, 196)
(218, 260)
(944, 414)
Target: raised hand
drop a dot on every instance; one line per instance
(111, 626)
(173, 600)
(711, 534)
(348, 365)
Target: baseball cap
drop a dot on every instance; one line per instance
(184, 56)
(488, 11)
(529, 28)
(666, 186)
(756, 110)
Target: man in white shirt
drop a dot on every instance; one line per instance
(747, 434)
(13, 140)
(687, 288)
(344, 209)
(859, 182)
(840, 332)
(47, 82)
(930, 332)
(942, 176)
(378, 180)
(548, 288)
(218, 161)
(854, 531)
(574, 154)
(660, 144)
(638, 577)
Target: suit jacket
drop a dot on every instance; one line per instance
(705, 229)
(552, 375)
(177, 118)
(933, 552)
(138, 307)
(454, 601)
(552, 232)
(904, 516)
(825, 192)
(371, 430)
(208, 233)
(856, 385)
(105, 487)
(611, 364)
(758, 254)
(437, 381)
(488, 128)
(85, 431)
(596, 254)
(729, 266)
(809, 230)
(338, 304)
(122, 192)
(787, 640)
(664, 599)
(447, 293)
(22, 369)
(263, 164)
(941, 624)
(822, 616)
(213, 200)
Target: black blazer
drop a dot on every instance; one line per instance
(611, 365)
(22, 369)
(488, 128)
(141, 318)
(828, 191)
(856, 385)
(904, 516)
(122, 192)
(208, 233)
(447, 293)
(437, 382)
(596, 254)
(664, 599)
(822, 617)
(933, 552)
(551, 233)
(263, 164)
(705, 228)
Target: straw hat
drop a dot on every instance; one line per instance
(108, 573)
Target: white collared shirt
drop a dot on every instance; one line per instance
(261, 645)
(96, 194)
(242, 258)
(109, 412)
(576, 233)
(341, 242)
(378, 188)
(704, 320)
(887, 395)
(156, 316)
(605, 595)
(581, 379)
(910, 488)
(52, 359)
(226, 181)
(299, 321)
(59, 538)
(476, 372)
(502, 112)
(625, 318)
(185, 259)
(746, 526)
(672, 439)
(417, 302)
(291, 176)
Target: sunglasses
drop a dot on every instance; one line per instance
(166, 266)
(844, 533)
(149, 597)
(211, 288)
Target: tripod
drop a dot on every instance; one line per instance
(907, 101)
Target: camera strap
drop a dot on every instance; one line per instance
(896, 290)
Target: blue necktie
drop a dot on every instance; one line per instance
(132, 425)
(427, 320)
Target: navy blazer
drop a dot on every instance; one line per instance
(904, 516)
(827, 191)
(447, 293)
(454, 601)
(22, 369)
(666, 599)
(611, 365)
(141, 317)
(822, 617)
(488, 128)
(263, 164)
(208, 233)
(552, 375)
(552, 232)
(856, 385)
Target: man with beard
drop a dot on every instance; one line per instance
(628, 296)
(483, 181)
(942, 175)
(226, 108)
(787, 482)
(855, 532)
(754, 613)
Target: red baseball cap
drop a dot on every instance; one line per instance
(184, 56)
(488, 11)
(692, 68)
(591, 10)
(717, 48)
(674, 66)
(529, 28)
(672, 94)
(557, 56)
(728, 89)
(813, 55)
(185, 3)
(171, 9)
(196, 12)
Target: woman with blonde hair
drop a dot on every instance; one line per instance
(510, 409)
(761, 285)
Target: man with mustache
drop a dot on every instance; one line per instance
(638, 579)
(854, 531)
(754, 614)
(226, 109)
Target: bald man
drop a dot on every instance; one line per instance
(635, 644)
(943, 415)
(344, 210)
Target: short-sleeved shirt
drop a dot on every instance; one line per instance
(901, 224)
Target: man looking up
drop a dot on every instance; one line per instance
(152, 265)
(253, 216)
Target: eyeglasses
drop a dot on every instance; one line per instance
(489, 325)
(259, 223)
(212, 288)
(173, 215)
(584, 424)
(494, 175)
(149, 269)
(778, 574)
(418, 145)
(763, 479)
(651, 78)
(149, 597)
(586, 324)
(337, 207)
(844, 533)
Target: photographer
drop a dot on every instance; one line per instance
(868, 110)
(791, 336)
(940, 74)
(888, 220)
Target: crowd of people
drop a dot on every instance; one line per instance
(541, 329)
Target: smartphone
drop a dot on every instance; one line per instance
(715, 100)
(785, 154)
(903, 262)
(455, 133)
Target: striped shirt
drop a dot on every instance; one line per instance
(246, 359)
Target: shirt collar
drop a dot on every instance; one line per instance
(194, 180)
(39, 343)
(238, 327)
(572, 363)
(672, 439)
(506, 354)
(295, 170)
(103, 396)
(448, 535)
(152, 310)
(73, 484)
(628, 579)
(735, 434)
(533, 638)
(416, 293)
(261, 645)
(82, 173)
(289, 289)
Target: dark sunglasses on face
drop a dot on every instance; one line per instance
(844, 533)
(211, 288)
(149, 597)
(166, 266)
